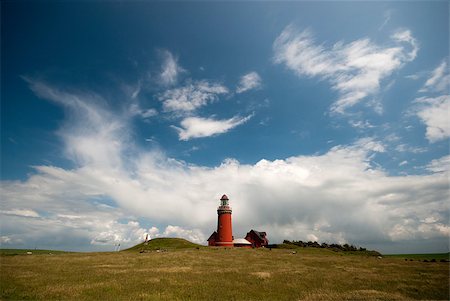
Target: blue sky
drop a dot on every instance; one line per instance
(322, 121)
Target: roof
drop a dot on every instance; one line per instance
(241, 241)
(213, 236)
(261, 235)
(224, 197)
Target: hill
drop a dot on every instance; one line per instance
(165, 244)
(188, 273)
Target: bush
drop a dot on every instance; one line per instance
(334, 247)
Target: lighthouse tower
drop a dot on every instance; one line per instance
(224, 235)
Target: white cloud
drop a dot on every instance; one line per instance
(135, 110)
(361, 124)
(136, 91)
(115, 233)
(170, 70)
(439, 80)
(187, 99)
(440, 165)
(153, 232)
(369, 144)
(403, 163)
(94, 135)
(339, 195)
(309, 191)
(355, 70)
(20, 212)
(406, 37)
(434, 113)
(411, 149)
(387, 17)
(413, 76)
(248, 82)
(149, 113)
(312, 237)
(195, 235)
(197, 127)
(5, 240)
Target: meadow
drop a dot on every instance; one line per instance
(167, 272)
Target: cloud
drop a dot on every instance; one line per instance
(405, 36)
(355, 70)
(410, 149)
(115, 233)
(403, 163)
(361, 124)
(433, 112)
(170, 70)
(413, 76)
(439, 80)
(6, 240)
(20, 212)
(440, 165)
(93, 134)
(387, 17)
(187, 99)
(148, 113)
(248, 82)
(135, 110)
(153, 232)
(336, 196)
(197, 127)
(95, 228)
(195, 235)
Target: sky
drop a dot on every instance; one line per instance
(321, 121)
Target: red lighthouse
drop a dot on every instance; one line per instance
(224, 235)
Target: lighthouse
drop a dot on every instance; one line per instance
(223, 237)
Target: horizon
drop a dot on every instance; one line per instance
(324, 121)
(114, 248)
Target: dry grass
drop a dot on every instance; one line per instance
(220, 274)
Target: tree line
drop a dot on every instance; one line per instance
(334, 246)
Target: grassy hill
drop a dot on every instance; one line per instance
(187, 273)
(165, 244)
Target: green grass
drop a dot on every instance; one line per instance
(220, 274)
(11, 252)
(436, 256)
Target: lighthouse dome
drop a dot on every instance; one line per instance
(224, 197)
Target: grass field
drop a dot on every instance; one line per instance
(440, 256)
(162, 273)
(11, 252)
